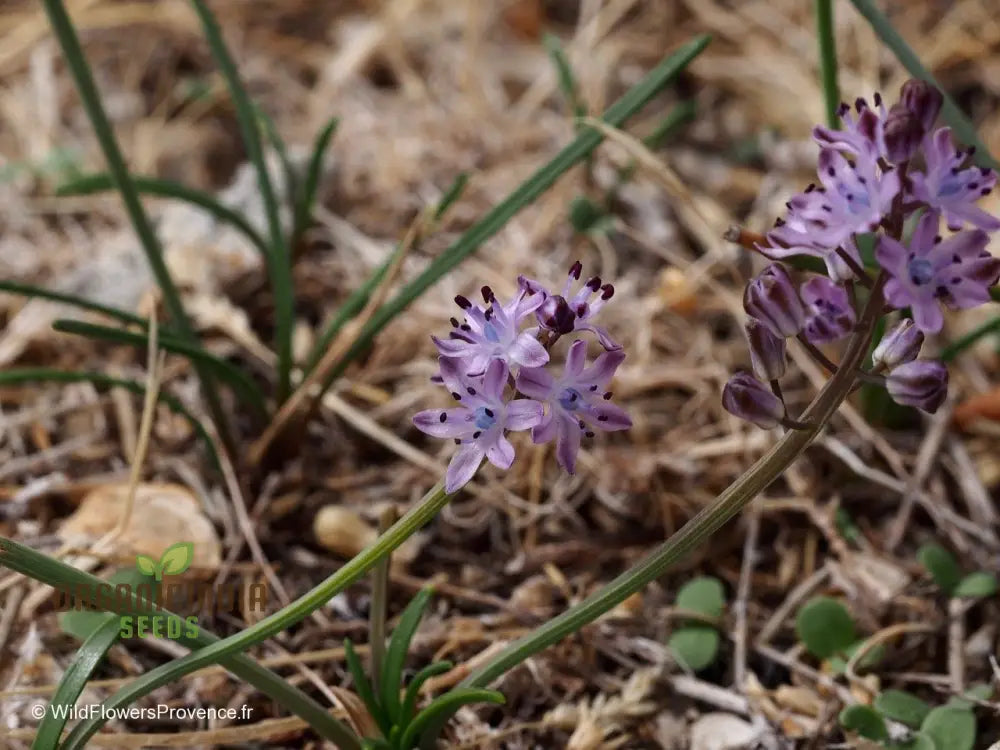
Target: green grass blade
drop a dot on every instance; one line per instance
(242, 385)
(963, 128)
(279, 259)
(29, 290)
(682, 113)
(77, 63)
(586, 141)
(413, 689)
(99, 183)
(359, 298)
(43, 374)
(363, 687)
(391, 679)
(273, 624)
(567, 81)
(825, 35)
(957, 347)
(55, 573)
(269, 129)
(307, 200)
(446, 705)
(73, 682)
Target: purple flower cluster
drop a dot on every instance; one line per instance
(888, 176)
(501, 350)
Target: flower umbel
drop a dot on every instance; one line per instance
(491, 357)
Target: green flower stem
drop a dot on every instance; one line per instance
(828, 60)
(279, 259)
(965, 131)
(77, 63)
(707, 522)
(55, 573)
(524, 195)
(295, 612)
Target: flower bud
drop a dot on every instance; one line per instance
(771, 298)
(767, 351)
(555, 315)
(901, 344)
(922, 383)
(831, 316)
(903, 133)
(746, 397)
(923, 100)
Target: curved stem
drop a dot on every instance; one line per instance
(705, 523)
(295, 612)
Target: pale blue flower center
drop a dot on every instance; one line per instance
(490, 332)
(485, 418)
(570, 399)
(949, 186)
(921, 271)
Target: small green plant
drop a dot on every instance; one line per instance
(921, 726)
(827, 630)
(695, 643)
(394, 711)
(949, 576)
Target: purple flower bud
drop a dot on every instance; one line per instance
(771, 298)
(899, 345)
(830, 315)
(903, 132)
(923, 100)
(922, 383)
(556, 315)
(746, 397)
(767, 351)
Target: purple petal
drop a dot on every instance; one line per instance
(609, 417)
(602, 336)
(567, 444)
(576, 358)
(456, 422)
(603, 369)
(891, 255)
(526, 351)
(966, 245)
(463, 466)
(545, 431)
(452, 375)
(495, 380)
(535, 382)
(500, 453)
(523, 413)
(926, 231)
(927, 315)
(971, 214)
(454, 348)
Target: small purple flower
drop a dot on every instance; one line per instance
(767, 351)
(771, 298)
(854, 198)
(861, 136)
(492, 334)
(746, 397)
(830, 315)
(901, 344)
(478, 425)
(922, 383)
(952, 188)
(578, 403)
(563, 314)
(957, 271)
(923, 100)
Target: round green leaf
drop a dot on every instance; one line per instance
(865, 721)
(695, 646)
(918, 741)
(704, 595)
(967, 700)
(825, 627)
(942, 566)
(976, 585)
(177, 558)
(951, 728)
(903, 707)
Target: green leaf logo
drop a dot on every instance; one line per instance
(176, 558)
(146, 565)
